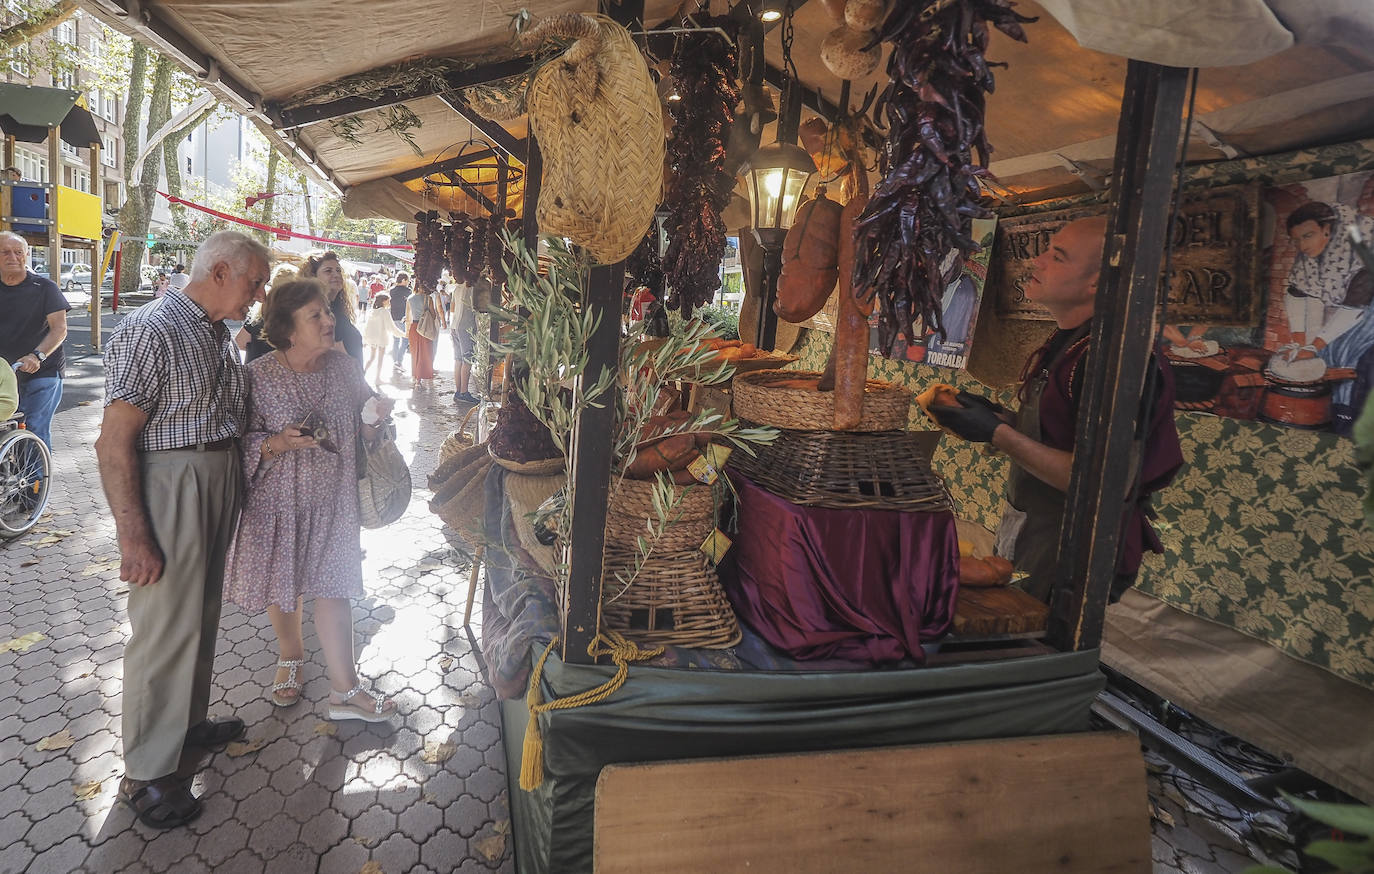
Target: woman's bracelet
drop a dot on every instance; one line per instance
(267, 449)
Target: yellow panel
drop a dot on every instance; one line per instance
(78, 213)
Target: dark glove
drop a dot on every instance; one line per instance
(975, 419)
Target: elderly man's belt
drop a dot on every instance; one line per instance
(213, 446)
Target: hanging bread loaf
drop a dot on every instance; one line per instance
(810, 260)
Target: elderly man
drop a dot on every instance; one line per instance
(1039, 439)
(33, 325)
(175, 404)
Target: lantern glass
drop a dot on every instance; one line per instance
(775, 177)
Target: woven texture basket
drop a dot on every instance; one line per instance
(597, 116)
(632, 505)
(759, 398)
(887, 470)
(676, 599)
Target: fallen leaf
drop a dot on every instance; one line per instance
(469, 701)
(47, 541)
(366, 842)
(1164, 816)
(491, 847)
(59, 741)
(86, 791)
(83, 403)
(93, 569)
(501, 826)
(436, 752)
(326, 729)
(21, 644)
(373, 867)
(243, 748)
(30, 563)
(429, 798)
(445, 663)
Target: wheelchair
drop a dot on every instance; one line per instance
(25, 477)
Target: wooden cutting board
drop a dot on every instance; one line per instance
(998, 610)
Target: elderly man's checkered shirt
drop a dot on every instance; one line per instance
(168, 359)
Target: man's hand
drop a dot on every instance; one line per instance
(140, 560)
(975, 419)
(29, 363)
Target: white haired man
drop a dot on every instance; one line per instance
(33, 326)
(175, 405)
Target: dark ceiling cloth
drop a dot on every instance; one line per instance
(864, 585)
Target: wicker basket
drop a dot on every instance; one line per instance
(676, 599)
(455, 462)
(464, 510)
(880, 471)
(635, 498)
(759, 398)
(539, 467)
(597, 116)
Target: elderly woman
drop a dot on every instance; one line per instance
(298, 534)
(342, 301)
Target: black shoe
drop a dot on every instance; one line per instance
(214, 733)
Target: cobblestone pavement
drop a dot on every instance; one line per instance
(314, 796)
(428, 796)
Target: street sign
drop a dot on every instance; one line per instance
(284, 232)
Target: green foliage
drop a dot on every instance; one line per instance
(723, 320)
(1346, 857)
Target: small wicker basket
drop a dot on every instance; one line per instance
(761, 397)
(676, 599)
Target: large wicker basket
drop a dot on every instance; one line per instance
(596, 114)
(691, 520)
(888, 470)
(676, 599)
(759, 397)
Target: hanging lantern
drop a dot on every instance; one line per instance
(775, 176)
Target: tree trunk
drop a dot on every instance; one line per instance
(26, 30)
(269, 205)
(137, 212)
(172, 168)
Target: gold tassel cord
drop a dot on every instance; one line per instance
(607, 643)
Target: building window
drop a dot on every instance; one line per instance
(114, 195)
(107, 152)
(33, 167)
(69, 150)
(66, 79)
(19, 63)
(81, 180)
(66, 32)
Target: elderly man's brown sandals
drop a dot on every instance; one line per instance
(161, 803)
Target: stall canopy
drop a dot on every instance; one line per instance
(27, 111)
(383, 105)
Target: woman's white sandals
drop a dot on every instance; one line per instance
(279, 697)
(346, 709)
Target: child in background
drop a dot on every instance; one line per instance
(378, 333)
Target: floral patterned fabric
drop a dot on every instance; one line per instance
(1263, 529)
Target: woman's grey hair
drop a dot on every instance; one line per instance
(229, 247)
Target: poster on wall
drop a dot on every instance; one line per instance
(1310, 363)
(958, 309)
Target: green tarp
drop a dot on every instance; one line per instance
(27, 111)
(663, 714)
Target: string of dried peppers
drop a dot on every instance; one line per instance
(704, 69)
(933, 111)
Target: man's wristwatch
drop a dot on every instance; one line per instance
(37, 353)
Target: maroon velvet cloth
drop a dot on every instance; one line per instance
(864, 585)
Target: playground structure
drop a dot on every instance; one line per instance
(49, 215)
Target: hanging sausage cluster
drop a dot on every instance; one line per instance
(933, 111)
(704, 69)
(459, 246)
(431, 250)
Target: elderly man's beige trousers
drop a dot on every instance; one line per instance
(193, 504)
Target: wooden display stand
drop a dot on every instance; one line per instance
(1067, 803)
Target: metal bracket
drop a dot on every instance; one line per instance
(1213, 139)
(1094, 178)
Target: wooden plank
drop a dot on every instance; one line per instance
(1016, 650)
(1123, 335)
(998, 610)
(1074, 804)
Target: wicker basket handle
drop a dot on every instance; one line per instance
(579, 61)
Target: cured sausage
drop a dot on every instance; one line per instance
(977, 572)
(810, 260)
(851, 329)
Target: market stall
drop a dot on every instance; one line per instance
(640, 551)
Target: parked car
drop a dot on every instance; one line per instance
(69, 279)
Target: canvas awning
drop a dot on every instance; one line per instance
(27, 111)
(1280, 74)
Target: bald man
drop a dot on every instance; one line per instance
(1039, 437)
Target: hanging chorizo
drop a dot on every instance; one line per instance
(810, 260)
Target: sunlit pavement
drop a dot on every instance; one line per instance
(429, 795)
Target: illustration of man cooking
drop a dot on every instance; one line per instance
(1328, 304)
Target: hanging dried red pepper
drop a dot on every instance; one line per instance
(933, 111)
(459, 246)
(431, 250)
(705, 72)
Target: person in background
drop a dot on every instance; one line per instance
(249, 339)
(1039, 438)
(12, 174)
(175, 404)
(399, 293)
(375, 286)
(378, 333)
(325, 267)
(462, 325)
(178, 280)
(33, 326)
(421, 347)
(9, 391)
(297, 537)
(160, 285)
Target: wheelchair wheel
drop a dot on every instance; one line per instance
(24, 482)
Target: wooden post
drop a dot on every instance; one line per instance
(6, 191)
(54, 235)
(97, 262)
(534, 180)
(1123, 336)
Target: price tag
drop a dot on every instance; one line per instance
(716, 545)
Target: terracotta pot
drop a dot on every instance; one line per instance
(1299, 405)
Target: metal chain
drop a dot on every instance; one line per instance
(788, 33)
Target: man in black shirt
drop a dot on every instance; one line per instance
(33, 326)
(400, 345)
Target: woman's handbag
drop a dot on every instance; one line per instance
(383, 478)
(428, 325)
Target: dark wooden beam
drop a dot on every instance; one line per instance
(444, 166)
(494, 132)
(285, 119)
(1123, 337)
(816, 102)
(534, 181)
